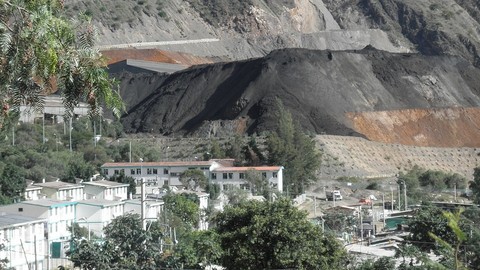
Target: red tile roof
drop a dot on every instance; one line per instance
(157, 164)
(244, 169)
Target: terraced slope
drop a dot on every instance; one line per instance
(358, 157)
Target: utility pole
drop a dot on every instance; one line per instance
(35, 251)
(391, 206)
(383, 203)
(405, 195)
(43, 128)
(130, 152)
(70, 132)
(142, 180)
(399, 198)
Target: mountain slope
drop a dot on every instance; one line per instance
(320, 88)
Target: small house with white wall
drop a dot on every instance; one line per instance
(228, 177)
(95, 214)
(22, 237)
(107, 190)
(202, 206)
(32, 192)
(153, 208)
(62, 191)
(59, 215)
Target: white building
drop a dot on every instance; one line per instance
(156, 173)
(95, 214)
(32, 192)
(107, 190)
(219, 171)
(22, 237)
(227, 177)
(202, 206)
(153, 208)
(59, 215)
(62, 191)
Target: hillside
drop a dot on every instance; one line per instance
(253, 28)
(325, 91)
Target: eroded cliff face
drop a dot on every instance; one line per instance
(448, 127)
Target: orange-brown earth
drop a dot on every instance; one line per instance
(155, 55)
(449, 127)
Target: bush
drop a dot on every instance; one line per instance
(373, 186)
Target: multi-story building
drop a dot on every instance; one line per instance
(62, 191)
(227, 177)
(156, 173)
(218, 171)
(95, 214)
(153, 208)
(32, 192)
(23, 241)
(59, 216)
(107, 190)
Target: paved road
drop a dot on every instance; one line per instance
(157, 43)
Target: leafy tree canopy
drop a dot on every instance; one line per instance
(265, 235)
(40, 51)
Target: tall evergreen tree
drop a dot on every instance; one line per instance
(290, 147)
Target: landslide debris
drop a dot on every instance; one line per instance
(318, 87)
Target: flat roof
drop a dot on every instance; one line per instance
(245, 169)
(48, 203)
(7, 220)
(147, 201)
(105, 183)
(157, 164)
(100, 202)
(58, 185)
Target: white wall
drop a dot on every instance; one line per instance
(27, 234)
(97, 216)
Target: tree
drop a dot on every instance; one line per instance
(39, 49)
(475, 185)
(12, 183)
(197, 249)
(288, 146)
(182, 210)
(216, 150)
(125, 246)
(274, 235)
(193, 179)
(257, 182)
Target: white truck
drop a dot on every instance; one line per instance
(334, 195)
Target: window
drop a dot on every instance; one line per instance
(149, 171)
(214, 176)
(264, 174)
(241, 175)
(165, 182)
(275, 174)
(122, 171)
(245, 186)
(230, 175)
(165, 171)
(117, 172)
(139, 171)
(224, 176)
(105, 171)
(174, 174)
(225, 187)
(132, 171)
(155, 171)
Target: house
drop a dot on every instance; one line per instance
(23, 240)
(153, 208)
(228, 177)
(59, 216)
(219, 171)
(107, 190)
(95, 214)
(32, 192)
(156, 173)
(62, 191)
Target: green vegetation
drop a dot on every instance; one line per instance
(289, 147)
(39, 48)
(252, 235)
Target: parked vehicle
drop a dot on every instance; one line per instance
(334, 195)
